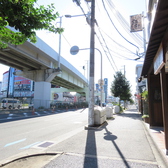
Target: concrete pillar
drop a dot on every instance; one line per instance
(42, 93)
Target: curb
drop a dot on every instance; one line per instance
(160, 157)
(16, 157)
(99, 127)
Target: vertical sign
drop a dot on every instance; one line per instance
(136, 23)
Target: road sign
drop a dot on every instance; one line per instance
(74, 50)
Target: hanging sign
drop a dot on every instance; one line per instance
(136, 23)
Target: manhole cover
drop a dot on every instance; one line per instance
(45, 144)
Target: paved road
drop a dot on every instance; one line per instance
(12, 115)
(19, 135)
(121, 143)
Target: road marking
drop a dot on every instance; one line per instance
(12, 143)
(25, 114)
(26, 147)
(46, 112)
(37, 113)
(10, 116)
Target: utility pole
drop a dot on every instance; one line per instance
(59, 52)
(91, 77)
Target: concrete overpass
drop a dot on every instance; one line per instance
(39, 62)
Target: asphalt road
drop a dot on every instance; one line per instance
(26, 130)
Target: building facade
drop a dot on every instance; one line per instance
(155, 66)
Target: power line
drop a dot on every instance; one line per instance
(106, 45)
(115, 26)
(137, 37)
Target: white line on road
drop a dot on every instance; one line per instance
(26, 147)
(10, 116)
(15, 142)
(25, 114)
(46, 112)
(37, 113)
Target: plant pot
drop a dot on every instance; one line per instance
(146, 119)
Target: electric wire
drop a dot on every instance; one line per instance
(116, 28)
(106, 45)
(66, 40)
(137, 37)
(117, 42)
(105, 52)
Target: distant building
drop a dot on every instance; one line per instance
(16, 86)
(23, 88)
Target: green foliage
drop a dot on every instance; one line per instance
(120, 87)
(145, 116)
(131, 101)
(145, 95)
(25, 18)
(121, 108)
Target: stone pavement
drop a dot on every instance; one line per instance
(122, 142)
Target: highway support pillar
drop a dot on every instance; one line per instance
(42, 91)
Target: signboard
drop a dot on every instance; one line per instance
(136, 23)
(158, 60)
(74, 50)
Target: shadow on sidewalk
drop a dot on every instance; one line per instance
(90, 159)
(110, 137)
(90, 150)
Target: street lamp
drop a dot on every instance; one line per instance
(59, 52)
(60, 25)
(91, 78)
(75, 49)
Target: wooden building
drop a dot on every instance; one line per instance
(155, 67)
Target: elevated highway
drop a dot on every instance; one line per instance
(39, 62)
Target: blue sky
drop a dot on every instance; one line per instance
(77, 32)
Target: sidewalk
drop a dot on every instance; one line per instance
(122, 142)
(158, 140)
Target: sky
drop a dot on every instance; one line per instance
(77, 32)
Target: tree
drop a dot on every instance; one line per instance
(120, 87)
(25, 18)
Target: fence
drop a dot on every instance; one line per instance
(47, 104)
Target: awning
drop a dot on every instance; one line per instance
(159, 28)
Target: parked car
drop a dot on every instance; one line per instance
(31, 106)
(10, 103)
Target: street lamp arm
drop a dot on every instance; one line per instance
(69, 16)
(75, 50)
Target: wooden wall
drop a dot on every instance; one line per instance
(155, 101)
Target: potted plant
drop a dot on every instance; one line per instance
(146, 118)
(145, 106)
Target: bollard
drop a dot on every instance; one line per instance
(66, 108)
(33, 111)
